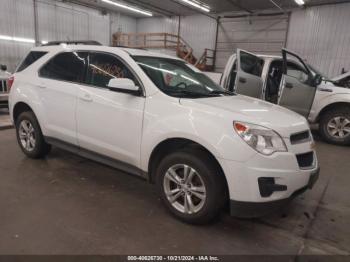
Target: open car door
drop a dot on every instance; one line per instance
(248, 80)
(297, 91)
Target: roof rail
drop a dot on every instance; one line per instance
(130, 47)
(83, 42)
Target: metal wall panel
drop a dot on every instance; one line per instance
(198, 30)
(322, 36)
(158, 25)
(64, 21)
(16, 20)
(122, 23)
(263, 35)
(56, 21)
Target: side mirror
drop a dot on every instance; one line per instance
(3, 67)
(317, 80)
(123, 85)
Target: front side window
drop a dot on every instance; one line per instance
(176, 78)
(68, 66)
(297, 72)
(32, 57)
(103, 67)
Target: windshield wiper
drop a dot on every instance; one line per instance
(196, 94)
(189, 93)
(222, 92)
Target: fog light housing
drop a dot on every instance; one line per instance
(267, 186)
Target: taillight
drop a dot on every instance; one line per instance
(10, 82)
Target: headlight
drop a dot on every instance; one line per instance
(262, 139)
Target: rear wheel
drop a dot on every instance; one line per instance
(191, 186)
(335, 126)
(30, 137)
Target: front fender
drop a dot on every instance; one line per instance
(209, 129)
(332, 99)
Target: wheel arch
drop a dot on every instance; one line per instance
(19, 108)
(172, 144)
(331, 107)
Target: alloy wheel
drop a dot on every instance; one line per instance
(26, 134)
(339, 127)
(184, 189)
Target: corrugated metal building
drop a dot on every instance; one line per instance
(55, 21)
(261, 35)
(322, 35)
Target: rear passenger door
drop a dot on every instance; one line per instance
(297, 92)
(110, 122)
(59, 82)
(248, 79)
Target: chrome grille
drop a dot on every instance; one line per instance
(301, 137)
(3, 86)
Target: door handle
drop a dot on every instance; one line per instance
(86, 97)
(41, 85)
(242, 80)
(325, 89)
(289, 85)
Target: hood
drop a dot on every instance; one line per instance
(254, 111)
(336, 89)
(340, 77)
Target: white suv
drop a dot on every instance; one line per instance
(160, 118)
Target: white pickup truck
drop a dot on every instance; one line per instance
(290, 82)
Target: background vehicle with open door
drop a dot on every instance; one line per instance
(290, 82)
(298, 85)
(248, 80)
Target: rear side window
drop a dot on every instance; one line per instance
(68, 66)
(30, 59)
(251, 64)
(232, 77)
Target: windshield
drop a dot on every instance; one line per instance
(179, 79)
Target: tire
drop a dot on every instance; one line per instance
(30, 137)
(335, 126)
(202, 172)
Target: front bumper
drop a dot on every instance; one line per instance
(265, 183)
(258, 209)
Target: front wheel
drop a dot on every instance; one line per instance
(191, 186)
(335, 126)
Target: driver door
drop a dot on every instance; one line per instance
(249, 74)
(109, 123)
(297, 92)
